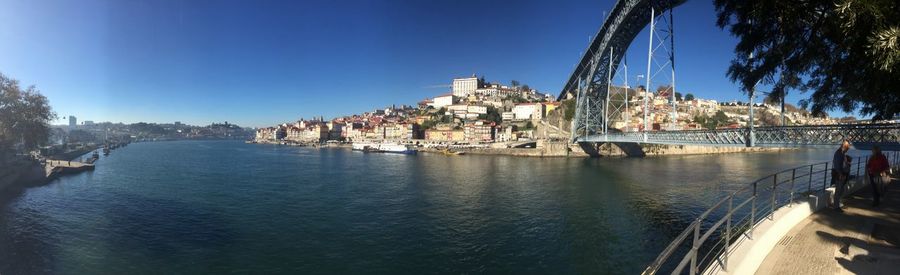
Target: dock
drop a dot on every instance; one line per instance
(56, 168)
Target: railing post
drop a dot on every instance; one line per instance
(752, 211)
(809, 188)
(774, 190)
(793, 174)
(728, 231)
(825, 177)
(696, 247)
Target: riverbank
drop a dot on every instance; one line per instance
(557, 149)
(302, 144)
(21, 174)
(28, 173)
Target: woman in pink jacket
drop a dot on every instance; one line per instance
(877, 164)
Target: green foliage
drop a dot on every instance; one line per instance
(845, 52)
(678, 96)
(428, 124)
(529, 125)
(689, 97)
(492, 115)
(516, 98)
(717, 120)
(25, 117)
(569, 109)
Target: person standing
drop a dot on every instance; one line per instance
(840, 171)
(876, 165)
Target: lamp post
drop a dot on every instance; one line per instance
(644, 97)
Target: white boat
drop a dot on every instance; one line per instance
(395, 148)
(383, 148)
(361, 146)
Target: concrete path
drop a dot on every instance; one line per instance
(862, 240)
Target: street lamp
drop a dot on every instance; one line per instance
(644, 97)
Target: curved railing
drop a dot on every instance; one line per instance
(709, 244)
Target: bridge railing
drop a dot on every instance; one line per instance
(887, 134)
(706, 241)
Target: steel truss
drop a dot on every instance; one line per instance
(589, 82)
(861, 136)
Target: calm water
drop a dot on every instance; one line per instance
(224, 206)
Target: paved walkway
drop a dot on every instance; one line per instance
(862, 240)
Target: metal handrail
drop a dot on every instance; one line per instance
(731, 231)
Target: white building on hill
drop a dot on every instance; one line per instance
(463, 87)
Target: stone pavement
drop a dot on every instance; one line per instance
(862, 240)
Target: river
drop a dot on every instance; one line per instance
(213, 207)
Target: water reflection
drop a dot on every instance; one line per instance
(201, 207)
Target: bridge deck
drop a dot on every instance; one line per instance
(862, 136)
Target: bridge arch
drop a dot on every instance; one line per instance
(603, 55)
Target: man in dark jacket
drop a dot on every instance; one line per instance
(877, 164)
(840, 172)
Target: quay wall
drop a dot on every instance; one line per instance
(611, 150)
(564, 149)
(73, 154)
(662, 150)
(547, 148)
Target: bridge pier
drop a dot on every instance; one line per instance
(631, 149)
(592, 149)
(595, 150)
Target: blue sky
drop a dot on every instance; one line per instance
(257, 63)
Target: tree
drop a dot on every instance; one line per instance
(492, 115)
(529, 125)
(25, 117)
(516, 98)
(664, 88)
(525, 87)
(678, 96)
(514, 83)
(845, 52)
(428, 124)
(689, 97)
(569, 108)
(717, 120)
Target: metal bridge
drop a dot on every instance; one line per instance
(861, 136)
(598, 103)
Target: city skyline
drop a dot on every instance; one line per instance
(177, 61)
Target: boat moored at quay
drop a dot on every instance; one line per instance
(383, 148)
